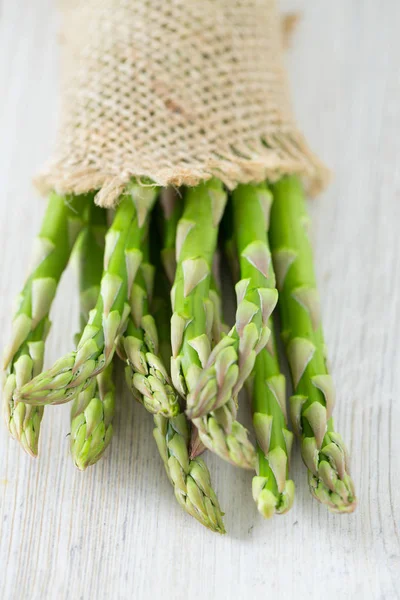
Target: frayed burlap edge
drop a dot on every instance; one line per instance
(267, 159)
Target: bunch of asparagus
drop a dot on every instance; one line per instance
(150, 296)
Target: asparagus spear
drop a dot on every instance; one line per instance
(92, 413)
(72, 373)
(89, 256)
(192, 320)
(146, 374)
(232, 360)
(218, 329)
(190, 478)
(23, 359)
(93, 409)
(171, 211)
(172, 207)
(322, 449)
(273, 491)
(192, 317)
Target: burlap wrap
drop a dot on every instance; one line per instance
(176, 91)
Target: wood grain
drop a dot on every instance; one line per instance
(116, 530)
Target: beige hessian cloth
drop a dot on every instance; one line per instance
(176, 91)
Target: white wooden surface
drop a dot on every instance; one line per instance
(116, 532)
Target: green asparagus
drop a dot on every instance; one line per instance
(145, 373)
(213, 402)
(172, 207)
(232, 360)
(192, 317)
(219, 328)
(23, 359)
(273, 491)
(189, 477)
(92, 413)
(323, 450)
(72, 374)
(93, 409)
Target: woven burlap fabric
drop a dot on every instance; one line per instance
(176, 91)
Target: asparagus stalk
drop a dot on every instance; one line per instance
(92, 413)
(93, 409)
(172, 207)
(146, 374)
(218, 329)
(171, 211)
(232, 360)
(193, 317)
(89, 256)
(189, 477)
(72, 373)
(273, 491)
(322, 449)
(23, 359)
